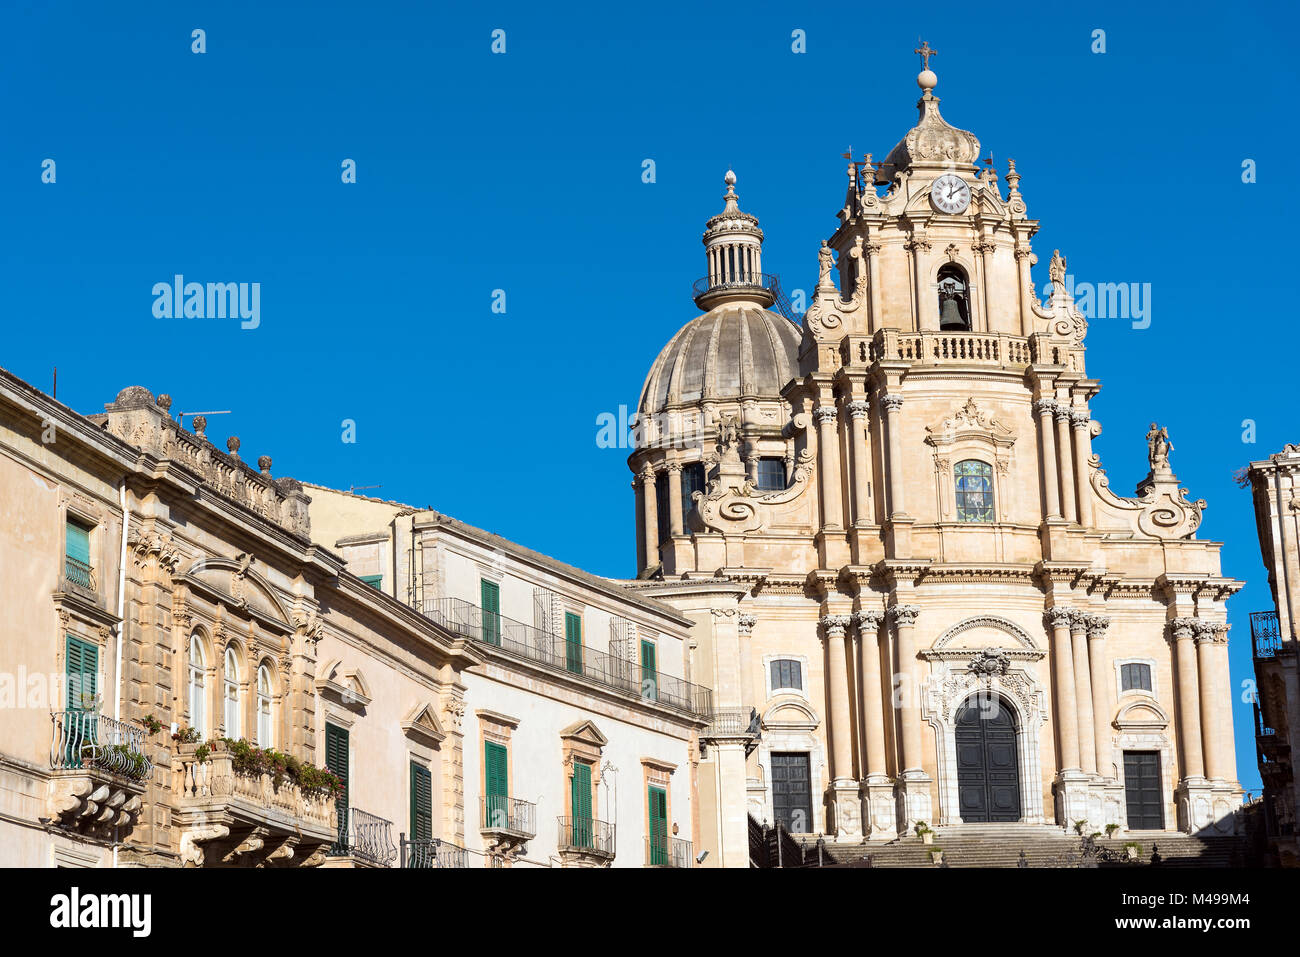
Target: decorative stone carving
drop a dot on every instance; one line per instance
(892, 402)
(836, 625)
(859, 409)
(902, 615)
(745, 624)
(990, 661)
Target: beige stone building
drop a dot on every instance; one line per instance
(189, 679)
(899, 548)
(1273, 483)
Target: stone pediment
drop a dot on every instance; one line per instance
(1143, 714)
(238, 585)
(585, 732)
(790, 715)
(421, 723)
(348, 686)
(982, 639)
(969, 422)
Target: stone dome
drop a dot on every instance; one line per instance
(735, 350)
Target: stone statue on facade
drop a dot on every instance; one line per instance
(826, 260)
(1056, 268)
(1158, 448)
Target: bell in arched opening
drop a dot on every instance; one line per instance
(954, 300)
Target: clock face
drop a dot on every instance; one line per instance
(950, 194)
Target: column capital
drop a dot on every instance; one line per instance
(1079, 418)
(824, 414)
(892, 402)
(745, 624)
(859, 408)
(1044, 406)
(647, 474)
(1061, 616)
(674, 467)
(835, 625)
(1078, 621)
(904, 614)
(1062, 412)
(1097, 625)
(868, 620)
(1181, 629)
(1210, 631)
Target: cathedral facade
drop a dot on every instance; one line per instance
(915, 595)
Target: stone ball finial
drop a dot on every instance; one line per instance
(232, 446)
(730, 178)
(164, 401)
(200, 425)
(927, 80)
(264, 463)
(135, 395)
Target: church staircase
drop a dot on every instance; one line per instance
(1043, 846)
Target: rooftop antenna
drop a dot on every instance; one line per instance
(354, 488)
(180, 416)
(55, 393)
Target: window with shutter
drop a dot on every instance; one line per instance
(580, 802)
(573, 642)
(336, 760)
(421, 803)
(657, 803)
(374, 581)
(490, 601)
(649, 672)
(496, 785)
(76, 562)
(82, 669)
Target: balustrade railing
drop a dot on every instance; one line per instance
(558, 654)
(215, 778)
(78, 572)
(994, 349)
(84, 739)
(730, 722)
(432, 853)
(586, 834)
(511, 815)
(1265, 633)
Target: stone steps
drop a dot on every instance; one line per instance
(1001, 845)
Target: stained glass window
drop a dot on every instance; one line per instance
(974, 483)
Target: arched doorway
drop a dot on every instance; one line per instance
(988, 773)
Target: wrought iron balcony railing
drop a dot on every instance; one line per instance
(741, 279)
(87, 739)
(508, 815)
(586, 835)
(369, 838)
(432, 853)
(665, 851)
(78, 572)
(557, 654)
(1265, 633)
(731, 722)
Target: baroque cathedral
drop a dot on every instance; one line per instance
(916, 596)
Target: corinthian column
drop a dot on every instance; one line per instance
(837, 698)
(858, 410)
(1081, 421)
(651, 517)
(873, 702)
(907, 695)
(1063, 688)
(675, 526)
(1047, 453)
(1065, 462)
(1083, 692)
(1189, 697)
(1209, 637)
(892, 404)
(1103, 686)
(828, 447)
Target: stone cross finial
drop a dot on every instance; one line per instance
(925, 52)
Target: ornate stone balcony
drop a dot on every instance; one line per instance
(935, 348)
(586, 842)
(99, 773)
(228, 818)
(507, 823)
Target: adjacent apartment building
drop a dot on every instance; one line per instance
(193, 675)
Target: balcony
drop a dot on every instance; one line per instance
(509, 817)
(668, 852)
(229, 817)
(1265, 634)
(78, 573)
(585, 841)
(555, 654)
(99, 772)
(432, 853)
(366, 839)
(959, 348)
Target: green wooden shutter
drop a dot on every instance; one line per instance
(581, 805)
(496, 785)
(78, 542)
(657, 802)
(336, 760)
(421, 803)
(573, 642)
(649, 671)
(490, 601)
(83, 673)
(374, 581)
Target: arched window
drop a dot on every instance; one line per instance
(973, 481)
(265, 730)
(198, 701)
(692, 481)
(231, 695)
(954, 299)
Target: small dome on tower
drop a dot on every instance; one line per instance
(733, 246)
(932, 143)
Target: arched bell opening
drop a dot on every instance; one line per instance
(954, 299)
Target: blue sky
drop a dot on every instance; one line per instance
(522, 172)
